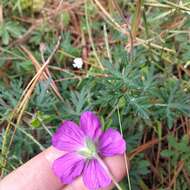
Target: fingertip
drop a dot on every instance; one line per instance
(117, 166)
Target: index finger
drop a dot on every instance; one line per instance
(36, 174)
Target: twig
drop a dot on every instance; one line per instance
(1, 14)
(179, 168)
(90, 37)
(107, 43)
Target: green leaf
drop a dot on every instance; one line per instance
(167, 153)
(5, 37)
(172, 141)
(35, 123)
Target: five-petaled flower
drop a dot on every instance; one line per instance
(84, 144)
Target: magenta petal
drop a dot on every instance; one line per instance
(111, 143)
(94, 175)
(90, 124)
(69, 137)
(68, 167)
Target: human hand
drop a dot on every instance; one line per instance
(37, 173)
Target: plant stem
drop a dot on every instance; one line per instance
(125, 157)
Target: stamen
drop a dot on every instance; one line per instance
(89, 151)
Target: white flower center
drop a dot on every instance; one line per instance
(89, 150)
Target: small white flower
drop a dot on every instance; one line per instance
(78, 63)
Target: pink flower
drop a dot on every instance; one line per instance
(83, 143)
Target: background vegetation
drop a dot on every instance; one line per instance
(136, 66)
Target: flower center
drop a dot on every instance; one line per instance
(89, 150)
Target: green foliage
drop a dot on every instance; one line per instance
(139, 169)
(178, 151)
(174, 102)
(147, 83)
(43, 98)
(10, 29)
(40, 118)
(9, 97)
